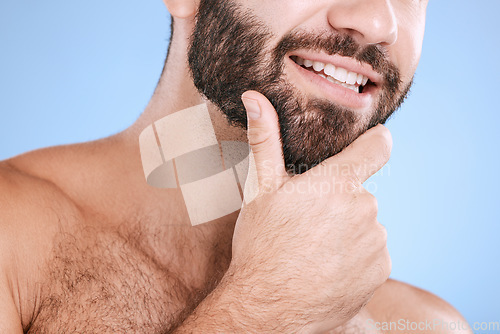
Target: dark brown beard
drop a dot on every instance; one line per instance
(228, 56)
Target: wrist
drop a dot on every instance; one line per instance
(258, 305)
(238, 304)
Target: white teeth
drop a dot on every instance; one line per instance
(359, 79)
(340, 74)
(337, 75)
(351, 87)
(329, 70)
(318, 66)
(351, 78)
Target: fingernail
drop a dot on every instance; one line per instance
(252, 107)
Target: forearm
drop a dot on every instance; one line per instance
(217, 313)
(235, 307)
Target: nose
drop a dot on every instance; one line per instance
(369, 21)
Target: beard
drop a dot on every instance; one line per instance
(230, 52)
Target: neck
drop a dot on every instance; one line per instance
(176, 92)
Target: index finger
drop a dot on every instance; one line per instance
(363, 157)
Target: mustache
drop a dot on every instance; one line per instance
(344, 45)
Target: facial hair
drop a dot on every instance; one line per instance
(230, 52)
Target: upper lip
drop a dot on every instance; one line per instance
(350, 64)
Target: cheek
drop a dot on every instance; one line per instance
(407, 50)
(281, 16)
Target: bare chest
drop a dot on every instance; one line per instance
(103, 282)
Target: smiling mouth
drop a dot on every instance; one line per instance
(336, 75)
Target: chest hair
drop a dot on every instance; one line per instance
(104, 281)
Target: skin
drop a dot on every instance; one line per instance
(86, 244)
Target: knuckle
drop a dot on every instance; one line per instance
(383, 138)
(257, 136)
(378, 237)
(384, 132)
(387, 264)
(260, 143)
(372, 202)
(382, 234)
(369, 204)
(383, 268)
(351, 181)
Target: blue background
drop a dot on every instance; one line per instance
(74, 71)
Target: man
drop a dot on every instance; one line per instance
(88, 246)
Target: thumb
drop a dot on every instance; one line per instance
(265, 141)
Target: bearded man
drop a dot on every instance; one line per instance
(87, 246)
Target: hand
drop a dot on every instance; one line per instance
(308, 250)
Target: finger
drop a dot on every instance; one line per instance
(265, 140)
(364, 157)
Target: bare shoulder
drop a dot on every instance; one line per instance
(32, 211)
(26, 199)
(10, 321)
(98, 176)
(405, 305)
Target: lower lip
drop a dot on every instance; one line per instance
(337, 93)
